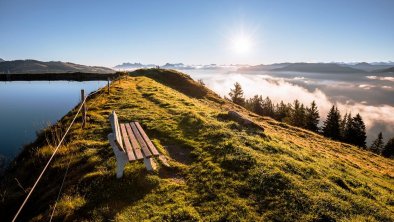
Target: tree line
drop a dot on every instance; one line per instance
(349, 129)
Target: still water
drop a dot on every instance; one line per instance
(27, 107)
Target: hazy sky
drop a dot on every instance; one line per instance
(197, 32)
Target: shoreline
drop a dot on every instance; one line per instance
(77, 76)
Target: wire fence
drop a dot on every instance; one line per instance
(82, 107)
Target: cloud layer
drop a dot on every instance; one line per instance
(377, 118)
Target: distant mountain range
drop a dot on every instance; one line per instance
(389, 70)
(130, 66)
(177, 66)
(35, 67)
(370, 67)
(136, 65)
(276, 67)
(262, 67)
(319, 67)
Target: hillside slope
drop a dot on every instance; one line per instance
(34, 66)
(220, 170)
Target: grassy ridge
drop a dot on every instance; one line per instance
(220, 170)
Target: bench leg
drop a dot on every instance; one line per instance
(120, 164)
(121, 157)
(149, 164)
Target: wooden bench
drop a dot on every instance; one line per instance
(130, 143)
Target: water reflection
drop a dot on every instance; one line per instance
(27, 107)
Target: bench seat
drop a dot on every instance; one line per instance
(130, 143)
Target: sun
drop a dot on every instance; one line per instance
(241, 43)
(242, 38)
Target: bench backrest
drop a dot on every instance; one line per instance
(113, 119)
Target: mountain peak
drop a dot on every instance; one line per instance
(362, 64)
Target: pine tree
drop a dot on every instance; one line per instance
(237, 94)
(388, 150)
(343, 127)
(268, 107)
(288, 117)
(281, 111)
(297, 117)
(331, 127)
(254, 104)
(201, 82)
(312, 118)
(377, 145)
(358, 135)
(348, 130)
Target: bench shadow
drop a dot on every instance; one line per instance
(107, 195)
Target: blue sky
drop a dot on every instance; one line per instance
(196, 32)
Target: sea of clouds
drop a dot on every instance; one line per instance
(371, 96)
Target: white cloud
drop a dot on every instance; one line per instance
(388, 78)
(372, 77)
(383, 78)
(366, 86)
(376, 118)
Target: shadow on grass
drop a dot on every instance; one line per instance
(106, 196)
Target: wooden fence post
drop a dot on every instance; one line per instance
(108, 85)
(83, 108)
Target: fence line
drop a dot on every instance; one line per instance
(60, 190)
(81, 107)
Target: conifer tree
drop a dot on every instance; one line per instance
(268, 107)
(237, 94)
(281, 111)
(388, 150)
(297, 117)
(288, 117)
(312, 118)
(331, 127)
(378, 144)
(343, 126)
(348, 130)
(254, 104)
(358, 134)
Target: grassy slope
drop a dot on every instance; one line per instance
(220, 170)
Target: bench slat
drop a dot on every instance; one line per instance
(113, 118)
(126, 142)
(141, 141)
(147, 140)
(134, 143)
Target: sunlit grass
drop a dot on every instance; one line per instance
(220, 170)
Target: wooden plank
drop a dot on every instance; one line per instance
(126, 141)
(113, 119)
(134, 143)
(140, 140)
(147, 140)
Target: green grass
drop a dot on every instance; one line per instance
(220, 170)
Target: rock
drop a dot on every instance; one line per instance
(243, 120)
